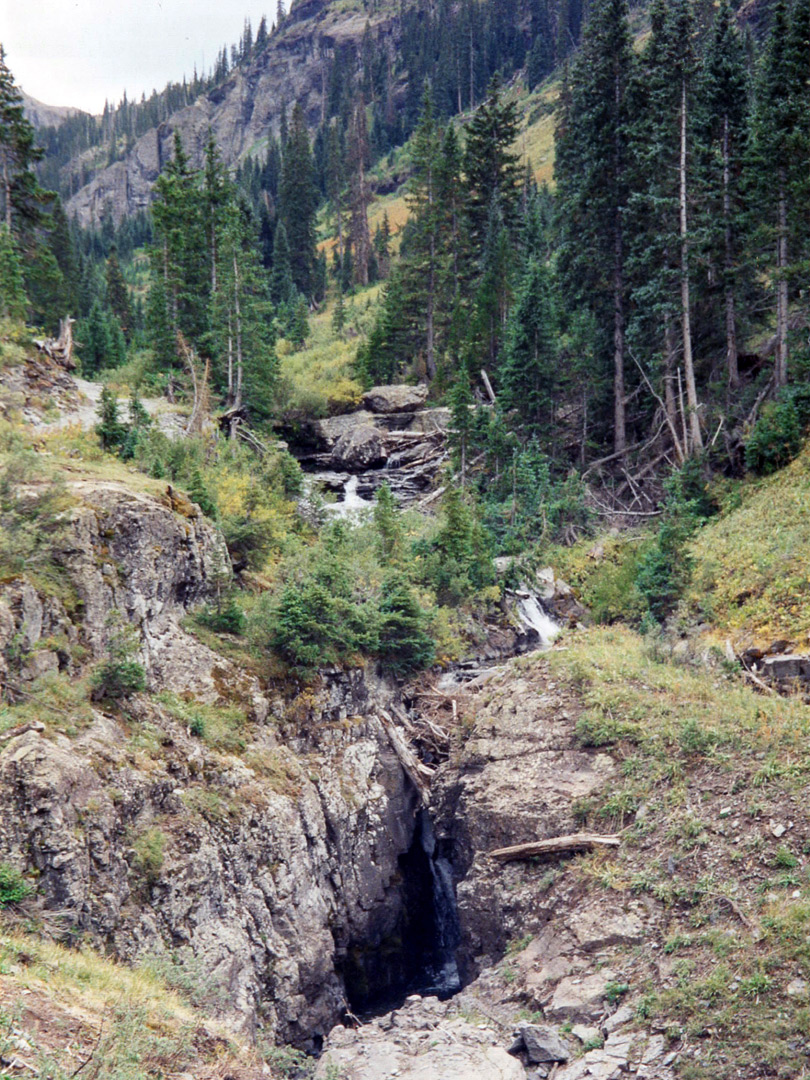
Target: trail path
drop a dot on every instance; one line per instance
(85, 413)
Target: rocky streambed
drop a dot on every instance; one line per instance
(393, 438)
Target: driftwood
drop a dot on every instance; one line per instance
(60, 349)
(200, 417)
(419, 775)
(557, 845)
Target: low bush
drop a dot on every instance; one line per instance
(13, 886)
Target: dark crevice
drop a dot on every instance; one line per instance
(419, 957)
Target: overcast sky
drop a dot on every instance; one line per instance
(81, 52)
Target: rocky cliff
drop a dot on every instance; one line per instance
(244, 110)
(181, 825)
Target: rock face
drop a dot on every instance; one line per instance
(358, 449)
(395, 399)
(262, 868)
(258, 877)
(516, 780)
(240, 112)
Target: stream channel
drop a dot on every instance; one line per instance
(420, 956)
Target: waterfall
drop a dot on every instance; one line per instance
(535, 618)
(441, 973)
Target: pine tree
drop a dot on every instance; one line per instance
(423, 263)
(180, 254)
(491, 167)
(96, 344)
(529, 372)
(282, 287)
(118, 294)
(21, 198)
(781, 150)
(13, 301)
(665, 151)
(298, 199)
(592, 172)
(723, 118)
(359, 192)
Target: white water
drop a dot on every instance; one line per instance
(352, 504)
(533, 616)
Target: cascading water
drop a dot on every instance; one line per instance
(418, 955)
(535, 618)
(441, 975)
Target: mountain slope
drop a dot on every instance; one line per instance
(244, 110)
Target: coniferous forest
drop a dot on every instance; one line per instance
(610, 340)
(405, 551)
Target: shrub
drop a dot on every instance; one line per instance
(147, 854)
(776, 438)
(227, 618)
(13, 886)
(404, 644)
(119, 676)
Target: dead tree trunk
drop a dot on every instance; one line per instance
(696, 436)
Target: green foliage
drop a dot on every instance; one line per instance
(32, 521)
(226, 618)
(119, 676)
(110, 429)
(403, 642)
(777, 435)
(13, 301)
(388, 526)
(457, 562)
(665, 568)
(13, 886)
(148, 854)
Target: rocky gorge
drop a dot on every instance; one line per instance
(313, 861)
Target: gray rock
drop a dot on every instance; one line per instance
(327, 433)
(360, 448)
(418, 1048)
(618, 1019)
(596, 928)
(587, 1034)
(395, 399)
(542, 1044)
(580, 999)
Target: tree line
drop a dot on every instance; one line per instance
(624, 303)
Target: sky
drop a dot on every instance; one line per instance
(81, 52)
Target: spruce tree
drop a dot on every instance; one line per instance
(723, 119)
(298, 198)
(13, 301)
(492, 168)
(529, 373)
(21, 198)
(118, 294)
(592, 172)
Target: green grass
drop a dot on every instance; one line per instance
(713, 763)
(752, 564)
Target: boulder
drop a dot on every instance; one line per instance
(417, 1042)
(541, 1043)
(327, 433)
(596, 928)
(395, 399)
(580, 999)
(360, 448)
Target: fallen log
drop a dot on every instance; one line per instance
(556, 845)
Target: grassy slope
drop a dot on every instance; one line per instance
(61, 1007)
(707, 771)
(752, 564)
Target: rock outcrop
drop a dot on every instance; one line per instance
(254, 878)
(240, 112)
(395, 399)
